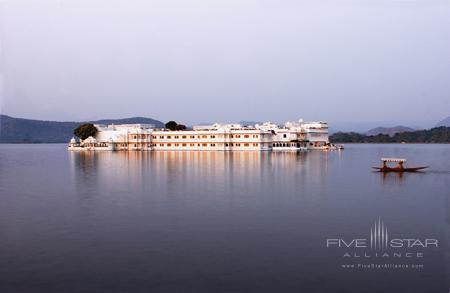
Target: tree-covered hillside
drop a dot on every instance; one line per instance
(433, 135)
(18, 130)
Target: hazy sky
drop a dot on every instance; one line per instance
(365, 61)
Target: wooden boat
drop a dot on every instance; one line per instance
(400, 167)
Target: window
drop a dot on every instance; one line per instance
(284, 135)
(246, 144)
(176, 136)
(226, 144)
(246, 136)
(204, 144)
(135, 137)
(192, 136)
(184, 136)
(213, 144)
(168, 137)
(212, 136)
(184, 144)
(169, 144)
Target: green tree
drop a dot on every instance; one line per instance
(172, 125)
(85, 130)
(181, 127)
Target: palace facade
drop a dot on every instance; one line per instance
(295, 136)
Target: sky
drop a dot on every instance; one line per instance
(355, 64)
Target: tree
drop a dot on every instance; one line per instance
(172, 125)
(181, 127)
(85, 130)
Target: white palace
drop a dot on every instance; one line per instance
(293, 136)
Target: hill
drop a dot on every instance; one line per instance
(445, 122)
(391, 131)
(19, 130)
(433, 135)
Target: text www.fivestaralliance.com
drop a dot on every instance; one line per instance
(383, 266)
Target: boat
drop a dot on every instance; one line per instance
(400, 167)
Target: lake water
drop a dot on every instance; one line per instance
(219, 222)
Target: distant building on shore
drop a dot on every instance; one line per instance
(295, 136)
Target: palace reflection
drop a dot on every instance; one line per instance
(171, 172)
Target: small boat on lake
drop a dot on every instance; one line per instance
(400, 167)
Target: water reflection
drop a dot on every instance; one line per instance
(212, 221)
(171, 168)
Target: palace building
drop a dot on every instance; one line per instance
(293, 136)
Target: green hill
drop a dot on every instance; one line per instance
(19, 130)
(433, 135)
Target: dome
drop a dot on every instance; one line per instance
(73, 140)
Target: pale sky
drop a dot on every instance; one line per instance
(364, 62)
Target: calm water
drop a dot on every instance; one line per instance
(216, 222)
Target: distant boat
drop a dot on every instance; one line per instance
(400, 167)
